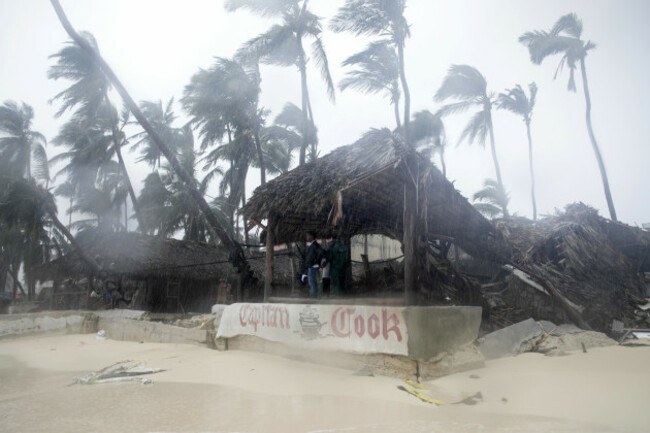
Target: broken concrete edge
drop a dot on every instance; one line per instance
(543, 336)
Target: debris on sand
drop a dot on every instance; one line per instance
(123, 371)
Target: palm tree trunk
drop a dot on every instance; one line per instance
(59, 225)
(532, 174)
(405, 89)
(120, 159)
(397, 119)
(305, 110)
(599, 158)
(260, 156)
(442, 161)
(237, 257)
(497, 169)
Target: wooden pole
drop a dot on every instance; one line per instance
(270, 243)
(409, 239)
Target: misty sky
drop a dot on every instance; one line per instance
(156, 46)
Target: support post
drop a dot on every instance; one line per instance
(409, 239)
(270, 259)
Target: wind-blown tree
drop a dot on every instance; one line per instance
(384, 19)
(491, 199)
(283, 45)
(468, 88)
(88, 94)
(287, 126)
(95, 177)
(565, 38)
(22, 150)
(428, 136)
(375, 70)
(517, 102)
(167, 205)
(236, 253)
(223, 102)
(162, 120)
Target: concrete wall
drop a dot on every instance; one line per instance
(74, 322)
(436, 330)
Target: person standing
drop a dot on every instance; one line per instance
(326, 268)
(337, 258)
(312, 263)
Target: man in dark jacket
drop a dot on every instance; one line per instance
(312, 263)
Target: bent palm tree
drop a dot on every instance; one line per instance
(22, 150)
(379, 18)
(237, 257)
(376, 70)
(516, 101)
(565, 38)
(88, 92)
(468, 87)
(282, 45)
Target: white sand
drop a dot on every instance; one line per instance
(606, 389)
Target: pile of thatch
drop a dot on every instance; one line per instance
(593, 262)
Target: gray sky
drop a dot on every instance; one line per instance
(156, 46)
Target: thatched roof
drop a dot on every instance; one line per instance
(142, 256)
(361, 187)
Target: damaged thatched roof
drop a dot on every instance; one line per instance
(592, 261)
(361, 187)
(141, 256)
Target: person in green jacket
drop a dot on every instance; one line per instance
(337, 257)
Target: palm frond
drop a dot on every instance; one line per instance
(321, 60)
(462, 82)
(265, 8)
(476, 128)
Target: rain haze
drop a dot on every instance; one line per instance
(362, 290)
(155, 47)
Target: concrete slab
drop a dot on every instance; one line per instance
(511, 340)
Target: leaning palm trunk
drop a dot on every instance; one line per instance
(442, 161)
(532, 174)
(599, 158)
(237, 256)
(497, 169)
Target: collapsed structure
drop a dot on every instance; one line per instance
(572, 267)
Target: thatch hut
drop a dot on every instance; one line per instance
(169, 275)
(378, 185)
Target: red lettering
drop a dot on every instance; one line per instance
(264, 315)
(359, 326)
(394, 327)
(373, 326)
(342, 329)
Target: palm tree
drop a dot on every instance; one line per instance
(565, 38)
(288, 126)
(492, 199)
(468, 87)
(376, 70)
(22, 150)
(516, 101)
(161, 119)
(428, 135)
(223, 101)
(283, 45)
(379, 18)
(88, 93)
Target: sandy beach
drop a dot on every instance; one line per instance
(606, 389)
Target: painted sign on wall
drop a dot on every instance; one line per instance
(352, 328)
